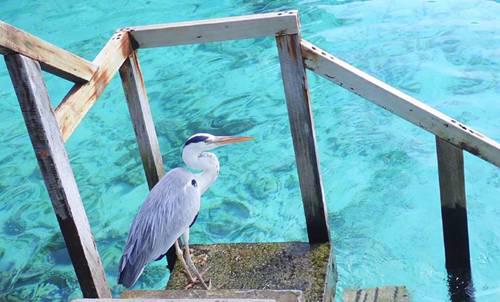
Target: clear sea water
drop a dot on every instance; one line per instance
(379, 172)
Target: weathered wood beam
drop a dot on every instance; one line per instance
(140, 113)
(52, 59)
(56, 170)
(202, 31)
(81, 97)
(378, 294)
(142, 119)
(179, 300)
(304, 141)
(401, 104)
(454, 219)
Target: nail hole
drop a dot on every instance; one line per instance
(314, 48)
(279, 14)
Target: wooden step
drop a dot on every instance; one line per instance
(218, 295)
(377, 294)
(173, 300)
(262, 266)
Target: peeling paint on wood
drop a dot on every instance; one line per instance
(203, 31)
(303, 135)
(397, 102)
(81, 97)
(140, 113)
(57, 173)
(454, 219)
(142, 119)
(51, 58)
(378, 294)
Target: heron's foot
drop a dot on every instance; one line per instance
(189, 276)
(191, 284)
(200, 280)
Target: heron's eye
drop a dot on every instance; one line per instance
(194, 183)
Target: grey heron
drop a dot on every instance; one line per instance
(170, 209)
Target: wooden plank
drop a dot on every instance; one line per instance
(176, 300)
(56, 170)
(81, 97)
(140, 113)
(401, 104)
(378, 294)
(454, 219)
(142, 119)
(52, 59)
(304, 141)
(202, 31)
(195, 294)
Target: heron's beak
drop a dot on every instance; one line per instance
(225, 140)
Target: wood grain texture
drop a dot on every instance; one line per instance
(140, 113)
(451, 174)
(51, 58)
(57, 173)
(81, 97)
(203, 31)
(304, 139)
(177, 300)
(142, 119)
(222, 294)
(453, 205)
(378, 294)
(406, 107)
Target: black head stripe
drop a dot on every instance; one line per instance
(196, 139)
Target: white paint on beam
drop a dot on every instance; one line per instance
(399, 103)
(231, 28)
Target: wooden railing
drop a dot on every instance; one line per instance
(26, 55)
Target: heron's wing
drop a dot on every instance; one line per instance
(167, 212)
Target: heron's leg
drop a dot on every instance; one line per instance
(180, 256)
(189, 261)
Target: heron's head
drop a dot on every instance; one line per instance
(194, 152)
(201, 142)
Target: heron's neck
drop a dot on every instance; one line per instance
(206, 162)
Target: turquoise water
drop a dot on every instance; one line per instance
(379, 172)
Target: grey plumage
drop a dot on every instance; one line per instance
(163, 217)
(170, 208)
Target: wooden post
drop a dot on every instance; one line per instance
(454, 218)
(140, 113)
(56, 170)
(304, 141)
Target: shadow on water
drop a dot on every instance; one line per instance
(460, 286)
